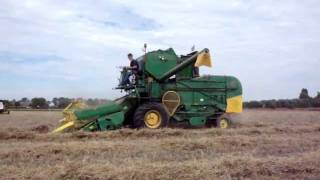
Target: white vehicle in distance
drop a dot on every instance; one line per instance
(3, 109)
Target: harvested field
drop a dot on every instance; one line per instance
(262, 145)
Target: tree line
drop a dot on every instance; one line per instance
(43, 103)
(303, 101)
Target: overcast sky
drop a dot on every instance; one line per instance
(72, 48)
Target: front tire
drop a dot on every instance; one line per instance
(151, 115)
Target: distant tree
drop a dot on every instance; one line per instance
(24, 99)
(55, 101)
(304, 94)
(288, 104)
(61, 102)
(281, 103)
(271, 104)
(12, 103)
(91, 102)
(253, 104)
(39, 103)
(95, 102)
(24, 102)
(79, 99)
(304, 101)
(315, 102)
(64, 102)
(17, 104)
(284, 103)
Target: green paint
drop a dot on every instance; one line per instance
(197, 121)
(159, 62)
(201, 97)
(98, 111)
(111, 121)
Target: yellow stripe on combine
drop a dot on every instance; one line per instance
(61, 128)
(234, 104)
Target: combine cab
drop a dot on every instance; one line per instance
(3, 109)
(168, 89)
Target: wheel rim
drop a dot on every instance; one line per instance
(223, 123)
(152, 119)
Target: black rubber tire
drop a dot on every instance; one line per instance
(225, 117)
(138, 119)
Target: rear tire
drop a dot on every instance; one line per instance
(224, 121)
(151, 115)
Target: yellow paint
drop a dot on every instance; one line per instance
(63, 127)
(234, 104)
(152, 119)
(203, 59)
(223, 124)
(70, 118)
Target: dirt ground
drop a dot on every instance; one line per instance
(262, 145)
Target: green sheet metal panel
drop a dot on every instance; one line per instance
(197, 121)
(186, 98)
(99, 111)
(155, 90)
(208, 91)
(228, 85)
(159, 62)
(185, 73)
(111, 121)
(234, 87)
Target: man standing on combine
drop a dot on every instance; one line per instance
(134, 67)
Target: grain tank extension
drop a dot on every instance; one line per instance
(167, 90)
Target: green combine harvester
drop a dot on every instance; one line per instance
(168, 90)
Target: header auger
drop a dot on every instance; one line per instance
(167, 89)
